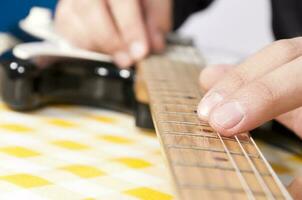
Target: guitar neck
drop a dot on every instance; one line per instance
(203, 164)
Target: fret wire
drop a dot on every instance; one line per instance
(205, 174)
(178, 96)
(189, 86)
(259, 175)
(241, 178)
(201, 173)
(169, 93)
(235, 190)
(167, 102)
(179, 122)
(256, 172)
(243, 182)
(221, 172)
(198, 165)
(198, 135)
(208, 149)
(268, 166)
(184, 123)
(166, 90)
(200, 124)
(176, 113)
(174, 104)
(277, 180)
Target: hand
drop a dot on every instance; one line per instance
(126, 29)
(267, 85)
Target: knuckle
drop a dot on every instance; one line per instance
(288, 47)
(264, 91)
(238, 78)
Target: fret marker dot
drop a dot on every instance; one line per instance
(221, 159)
(207, 130)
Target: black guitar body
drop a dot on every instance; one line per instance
(26, 86)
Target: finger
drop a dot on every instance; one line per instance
(158, 21)
(80, 17)
(67, 23)
(261, 63)
(212, 74)
(295, 188)
(129, 20)
(105, 36)
(292, 120)
(77, 20)
(259, 101)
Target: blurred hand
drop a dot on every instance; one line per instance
(126, 29)
(267, 85)
(295, 188)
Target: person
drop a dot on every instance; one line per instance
(267, 85)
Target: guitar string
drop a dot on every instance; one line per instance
(256, 172)
(221, 171)
(202, 174)
(274, 175)
(226, 147)
(222, 174)
(277, 180)
(225, 180)
(244, 184)
(175, 177)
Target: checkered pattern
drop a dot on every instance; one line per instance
(68, 152)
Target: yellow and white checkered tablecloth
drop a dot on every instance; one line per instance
(66, 152)
(69, 152)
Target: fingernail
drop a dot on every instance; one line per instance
(137, 50)
(207, 104)
(228, 115)
(122, 59)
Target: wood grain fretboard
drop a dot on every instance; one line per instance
(203, 164)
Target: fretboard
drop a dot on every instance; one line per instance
(203, 164)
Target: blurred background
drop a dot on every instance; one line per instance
(227, 31)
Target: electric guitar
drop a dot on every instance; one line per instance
(164, 93)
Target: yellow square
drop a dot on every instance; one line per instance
(25, 180)
(18, 128)
(144, 193)
(84, 171)
(133, 162)
(103, 119)
(116, 139)
(71, 145)
(62, 123)
(18, 151)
